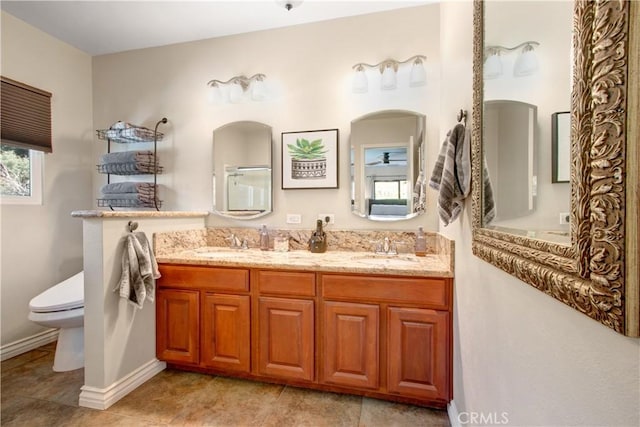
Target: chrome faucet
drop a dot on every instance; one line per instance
(387, 247)
(236, 243)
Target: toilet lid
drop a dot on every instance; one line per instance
(66, 295)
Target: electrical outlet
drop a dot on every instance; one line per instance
(332, 218)
(294, 219)
(565, 217)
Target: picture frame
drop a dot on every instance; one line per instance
(310, 159)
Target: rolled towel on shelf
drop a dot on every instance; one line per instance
(130, 168)
(128, 187)
(127, 157)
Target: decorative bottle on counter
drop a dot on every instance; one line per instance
(318, 240)
(264, 238)
(421, 243)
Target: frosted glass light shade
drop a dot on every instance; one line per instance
(418, 76)
(235, 93)
(360, 82)
(258, 91)
(216, 96)
(492, 66)
(388, 78)
(526, 63)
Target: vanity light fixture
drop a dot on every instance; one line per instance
(526, 63)
(388, 70)
(237, 87)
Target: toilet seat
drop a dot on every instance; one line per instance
(67, 295)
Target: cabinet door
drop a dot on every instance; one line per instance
(351, 348)
(225, 332)
(177, 327)
(418, 349)
(286, 336)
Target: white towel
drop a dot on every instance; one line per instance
(451, 174)
(139, 270)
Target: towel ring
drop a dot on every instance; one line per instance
(132, 226)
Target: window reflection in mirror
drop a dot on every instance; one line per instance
(509, 24)
(388, 182)
(242, 176)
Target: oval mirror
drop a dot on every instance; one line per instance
(388, 181)
(242, 177)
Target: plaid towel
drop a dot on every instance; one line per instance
(139, 270)
(451, 175)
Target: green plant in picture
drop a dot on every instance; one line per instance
(305, 150)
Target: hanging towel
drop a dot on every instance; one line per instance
(420, 193)
(139, 270)
(451, 175)
(488, 205)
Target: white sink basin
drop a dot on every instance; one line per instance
(388, 260)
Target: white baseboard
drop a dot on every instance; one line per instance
(102, 398)
(16, 348)
(454, 418)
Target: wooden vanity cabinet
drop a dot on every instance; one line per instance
(382, 336)
(177, 325)
(285, 328)
(203, 317)
(398, 343)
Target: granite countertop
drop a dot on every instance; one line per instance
(331, 261)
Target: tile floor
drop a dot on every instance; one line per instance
(33, 395)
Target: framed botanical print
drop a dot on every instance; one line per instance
(310, 159)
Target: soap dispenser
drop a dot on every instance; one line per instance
(318, 240)
(264, 238)
(421, 243)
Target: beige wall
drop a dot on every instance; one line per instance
(517, 350)
(42, 244)
(309, 70)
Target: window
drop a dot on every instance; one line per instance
(394, 189)
(26, 134)
(20, 175)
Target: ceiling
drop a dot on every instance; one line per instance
(110, 26)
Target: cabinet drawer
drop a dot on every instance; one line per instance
(424, 291)
(287, 283)
(206, 278)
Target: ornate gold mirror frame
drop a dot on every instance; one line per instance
(598, 274)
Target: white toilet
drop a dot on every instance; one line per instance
(62, 306)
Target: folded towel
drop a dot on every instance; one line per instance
(128, 196)
(127, 187)
(129, 168)
(451, 174)
(139, 270)
(126, 157)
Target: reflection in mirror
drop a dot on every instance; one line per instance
(242, 179)
(591, 272)
(533, 206)
(509, 149)
(560, 146)
(387, 165)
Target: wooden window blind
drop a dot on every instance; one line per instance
(26, 116)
